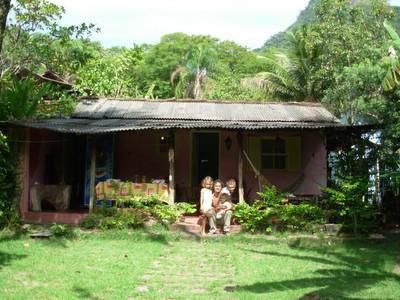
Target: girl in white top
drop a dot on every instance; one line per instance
(206, 195)
(206, 198)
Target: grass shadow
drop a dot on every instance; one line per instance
(83, 293)
(357, 265)
(6, 258)
(337, 283)
(10, 236)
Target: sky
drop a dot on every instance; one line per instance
(124, 23)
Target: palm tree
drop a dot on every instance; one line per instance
(288, 76)
(189, 80)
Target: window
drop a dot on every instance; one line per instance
(273, 154)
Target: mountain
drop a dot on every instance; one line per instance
(308, 16)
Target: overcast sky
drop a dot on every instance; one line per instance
(247, 22)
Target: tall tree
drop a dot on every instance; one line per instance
(288, 74)
(4, 9)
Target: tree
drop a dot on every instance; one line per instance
(192, 76)
(34, 39)
(345, 33)
(4, 9)
(112, 72)
(288, 74)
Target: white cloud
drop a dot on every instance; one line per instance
(248, 23)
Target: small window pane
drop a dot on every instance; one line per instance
(267, 162)
(267, 146)
(280, 146)
(280, 162)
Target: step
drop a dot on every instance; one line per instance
(189, 225)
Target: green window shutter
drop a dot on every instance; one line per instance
(293, 150)
(254, 143)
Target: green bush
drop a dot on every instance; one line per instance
(252, 217)
(122, 218)
(170, 213)
(353, 210)
(92, 221)
(112, 218)
(8, 185)
(59, 230)
(302, 216)
(271, 210)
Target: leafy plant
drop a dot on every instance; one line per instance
(139, 201)
(8, 185)
(170, 213)
(111, 218)
(251, 217)
(59, 230)
(301, 216)
(19, 98)
(348, 198)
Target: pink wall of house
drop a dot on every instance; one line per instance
(308, 179)
(138, 153)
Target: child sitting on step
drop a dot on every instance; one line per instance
(225, 204)
(206, 198)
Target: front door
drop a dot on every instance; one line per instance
(205, 156)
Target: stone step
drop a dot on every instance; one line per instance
(189, 224)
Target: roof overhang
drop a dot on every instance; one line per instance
(101, 126)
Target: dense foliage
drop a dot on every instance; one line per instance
(8, 185)
(272, 211)
(134, 212)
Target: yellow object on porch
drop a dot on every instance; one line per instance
(113, 189)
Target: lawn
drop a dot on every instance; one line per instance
(163, 265)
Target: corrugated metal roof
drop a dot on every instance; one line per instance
(93, 126)
(202, 110)
(105, 116)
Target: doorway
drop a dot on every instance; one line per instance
(205, 160)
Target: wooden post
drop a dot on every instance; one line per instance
(24, 176)
(92, 175)
(240, 168)
(171, 160)
(240, 172)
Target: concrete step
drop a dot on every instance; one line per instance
(189, 225)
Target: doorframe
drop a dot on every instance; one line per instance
(191, 151)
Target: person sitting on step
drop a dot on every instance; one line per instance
(206, 198)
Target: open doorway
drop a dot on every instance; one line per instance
(205, 160)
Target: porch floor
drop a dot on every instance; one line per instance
(189, 225)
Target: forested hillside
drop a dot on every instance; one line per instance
(279, 40)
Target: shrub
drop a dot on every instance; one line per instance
(251, 216)
(8, 185)
(59, 230)
(92, 221)
(302, 216)
(354, 212)
(168, 214)
(111, 218)
(271, 210)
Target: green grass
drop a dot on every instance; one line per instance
(145, 265)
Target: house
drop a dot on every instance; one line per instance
(178, 142)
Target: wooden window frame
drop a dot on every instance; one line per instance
(274, 154)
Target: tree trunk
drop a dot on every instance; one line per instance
(4, 9)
